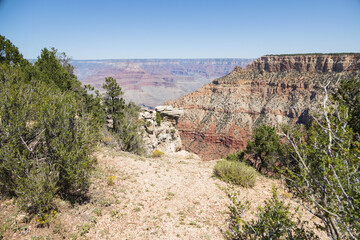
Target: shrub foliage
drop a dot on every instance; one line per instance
(326, 175)
(157, 153)
(125, 125)
(274, 221)
(44, 144)
(235, 172)
(263, 151)
(46, 137)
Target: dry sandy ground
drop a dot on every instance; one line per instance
(172, 197)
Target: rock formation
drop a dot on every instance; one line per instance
(220, 116)
(308, 63)
(164, 136)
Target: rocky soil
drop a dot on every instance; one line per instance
(173, 197)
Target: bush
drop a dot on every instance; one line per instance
(235, 156)
(264, 148)
(158, 118)
(264, 151)
(157, 153)
(47, 129)
(111, 180)
(274, 220)
(45, 145)
(326, 174)
(129, 134)
(125, 118)
(236, 172)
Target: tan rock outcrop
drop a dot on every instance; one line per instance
(164, 137)
(220, 116)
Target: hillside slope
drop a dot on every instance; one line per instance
(274, 90)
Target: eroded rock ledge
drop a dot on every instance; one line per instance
(164, 136)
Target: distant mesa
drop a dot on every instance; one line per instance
(308, 63)
(276, 89)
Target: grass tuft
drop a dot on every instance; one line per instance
(157, 153)
(235, 172)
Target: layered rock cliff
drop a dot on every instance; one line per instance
(308, 63)
(220, 116)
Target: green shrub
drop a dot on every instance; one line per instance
(158, 118)
(235, 172)
(274, 221)
(47, 130)
(111, 180)
(125, 118)
(129, 134)
(264, 148)
(325, 175)
(264, 152)
(45, 145)
(236, 156)
(157, 153)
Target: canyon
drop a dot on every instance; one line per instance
(275, 89)
(151, 82)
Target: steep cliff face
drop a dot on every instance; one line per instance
(220, 116)
(308, 63)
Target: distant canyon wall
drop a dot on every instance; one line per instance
(308, 63)
(220, 116)
(151, 82)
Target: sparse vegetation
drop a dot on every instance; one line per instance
(158, 118)
(236, 172)
(49, 125)
(84, 229)
(157, 153)
(263, 152)
(123, 118)
(111, 180)
(274, 221)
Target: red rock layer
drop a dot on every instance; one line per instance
(220, 116)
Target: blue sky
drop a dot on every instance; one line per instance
(107, 29)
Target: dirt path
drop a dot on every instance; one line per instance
(173, 197)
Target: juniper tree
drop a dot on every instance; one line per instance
(114, 103)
